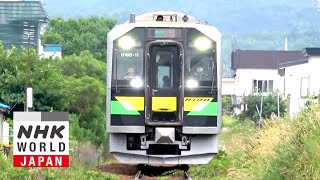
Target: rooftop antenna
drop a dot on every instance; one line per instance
(286, 44)
(234, 43)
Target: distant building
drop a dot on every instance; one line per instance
(51, 51)
(294, 74)
(298, 78)
(22, 23)
(257, 70)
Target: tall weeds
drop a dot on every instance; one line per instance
(285, 148)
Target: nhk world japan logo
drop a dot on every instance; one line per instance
(41, 139)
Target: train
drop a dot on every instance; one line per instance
(163, 97)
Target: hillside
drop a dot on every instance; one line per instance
(244, 24)
(232, 16)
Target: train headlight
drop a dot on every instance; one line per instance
(126, 43)
(136, 83)
(202, 43)
(192, 83)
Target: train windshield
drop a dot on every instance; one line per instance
(129, 65)
(201, 66)
(201, 59)
(200, 62)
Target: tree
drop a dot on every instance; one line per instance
(45, 78)
(83, 65)
(227, 104)
(81, 91)
(88, 102)
(76, 35)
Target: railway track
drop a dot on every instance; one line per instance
(141, 176)
(145, 172)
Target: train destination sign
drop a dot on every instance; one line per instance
(165, 33)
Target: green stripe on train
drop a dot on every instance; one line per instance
(118, 108)
(211, 109)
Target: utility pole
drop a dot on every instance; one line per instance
(28, 89)
(27, 74)
(261, 106)
(278, 100)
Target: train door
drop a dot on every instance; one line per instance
(164, 96)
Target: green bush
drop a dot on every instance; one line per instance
(270, 105)
(227, 104)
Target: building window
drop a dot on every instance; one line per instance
(304, 87)
(262, 85)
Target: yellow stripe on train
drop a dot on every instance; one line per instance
(164, 104)
(131, 102)
(190, 103)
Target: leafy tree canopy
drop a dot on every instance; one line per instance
(76, 35)
(75, 84)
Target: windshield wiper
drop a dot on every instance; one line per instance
(116, 72)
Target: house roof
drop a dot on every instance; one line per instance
(262, 59)
(293, 63)
(52, 48)
(311, 51)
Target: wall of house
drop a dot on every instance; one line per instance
(228, 86)
(244, 79)
(297, 82)
(6, 130)
(50, 51)
(314, 62)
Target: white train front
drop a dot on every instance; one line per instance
(164, 90)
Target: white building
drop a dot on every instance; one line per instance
(257, 70)
(228, 86)
(50, 51)
(299, 78)
(293, 73)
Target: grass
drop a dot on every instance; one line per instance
(285, 148)
(235, 133)
(77, 170)
(74, 172)
(298, 156)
